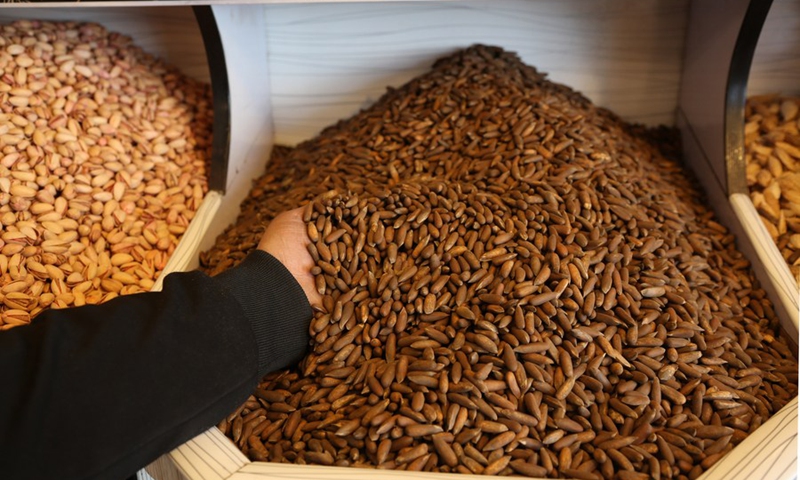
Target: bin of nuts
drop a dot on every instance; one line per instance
(514, 281)
(104, 152)
(772, 154)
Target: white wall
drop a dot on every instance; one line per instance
(776, 63)
(329, 60)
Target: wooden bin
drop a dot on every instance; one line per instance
(295, 66)
(325, 62)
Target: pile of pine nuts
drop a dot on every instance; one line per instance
(104, 152)
(514, 282)
(772, 153)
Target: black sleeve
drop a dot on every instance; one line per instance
(97, 392)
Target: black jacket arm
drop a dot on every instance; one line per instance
(97, 392)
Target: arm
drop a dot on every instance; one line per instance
(100, 391)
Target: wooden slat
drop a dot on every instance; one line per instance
(779, 275)
(328, 61)
(209, 456)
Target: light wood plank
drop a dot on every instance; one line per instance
(776, 62)
(208, 456)
(241, 29)
(170, 33)
(263, 470)
(328, 61)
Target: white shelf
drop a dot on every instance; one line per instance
(328, 61)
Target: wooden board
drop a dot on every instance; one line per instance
(328, 61)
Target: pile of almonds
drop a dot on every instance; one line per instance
(772, 154)
(104, 152)
(514, 281)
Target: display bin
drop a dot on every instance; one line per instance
(282, 70)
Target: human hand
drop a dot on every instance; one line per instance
(286, 239)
